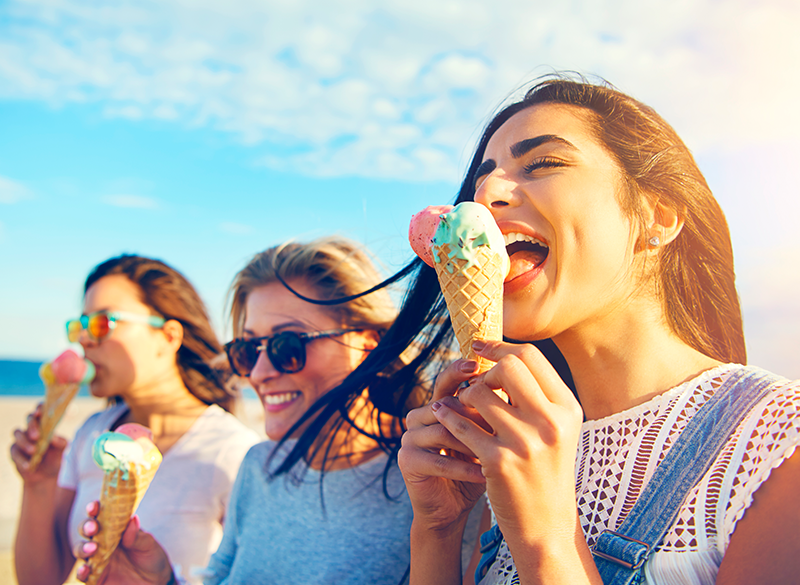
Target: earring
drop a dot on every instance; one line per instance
(655, 241)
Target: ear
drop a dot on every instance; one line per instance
(173, 332)
(371, 339)
(664, 221)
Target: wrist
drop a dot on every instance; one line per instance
(43, 487)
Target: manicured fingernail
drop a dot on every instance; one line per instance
(90, 528)
(468, 366)
(89, 548)
(82, 573)
(478, 345)
(436, 406)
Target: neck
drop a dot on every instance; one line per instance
(166, 407)
(627, 360)
(350, 447)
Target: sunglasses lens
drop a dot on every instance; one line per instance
(287, 352)
(98, 326)
(242, 355)
(74, 329)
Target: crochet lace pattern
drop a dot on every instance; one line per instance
(618, 454)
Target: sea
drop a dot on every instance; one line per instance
(21, 378)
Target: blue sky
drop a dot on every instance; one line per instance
(202, 132)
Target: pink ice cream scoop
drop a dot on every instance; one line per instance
(135, 431)
(70, 368)
(422, 228)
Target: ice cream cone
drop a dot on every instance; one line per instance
(56, 399)
(473, 291)
(121, 493)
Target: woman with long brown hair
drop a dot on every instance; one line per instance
(148, 335)
(676, 463)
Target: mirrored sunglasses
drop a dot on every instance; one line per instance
(101, 323)
(286, 351)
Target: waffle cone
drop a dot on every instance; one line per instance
(56, 399)
(120, 496)
(474, 296)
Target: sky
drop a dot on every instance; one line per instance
(201, 132)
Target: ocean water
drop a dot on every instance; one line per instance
(21, 378)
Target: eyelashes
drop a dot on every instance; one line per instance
(543, 163)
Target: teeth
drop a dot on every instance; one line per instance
(281, 398)
(518, 237)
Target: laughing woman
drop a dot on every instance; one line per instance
(624, 260)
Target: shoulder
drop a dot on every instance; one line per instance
(217, 420)
(223, 431)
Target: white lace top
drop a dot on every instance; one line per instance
(618, 454)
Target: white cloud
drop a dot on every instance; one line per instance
(12, 191)
(130, 201)
(313, 76)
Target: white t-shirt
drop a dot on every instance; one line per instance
(185, 505)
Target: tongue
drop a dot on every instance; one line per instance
(524, 261)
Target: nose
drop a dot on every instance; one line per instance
(86, 340)
(497, 190)
(263, 371)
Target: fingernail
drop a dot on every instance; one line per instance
(436, 406)
(90, 528)
(82, 573)
(468, 366)
(478, 345)
(89, 548)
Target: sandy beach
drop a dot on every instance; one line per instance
(13, 411)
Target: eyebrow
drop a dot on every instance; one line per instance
(524, 146)
(289, 326)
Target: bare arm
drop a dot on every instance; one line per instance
(764, 547)
(41, 551)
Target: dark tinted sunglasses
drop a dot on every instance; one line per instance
(286, 350)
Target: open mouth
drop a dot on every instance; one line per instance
(525, 252)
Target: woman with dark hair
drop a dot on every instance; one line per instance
(678, 465)
(323, 501)
(148, 335)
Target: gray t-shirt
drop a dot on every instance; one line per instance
(278, 532)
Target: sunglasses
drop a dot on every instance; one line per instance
(101, 323)
(286, 350)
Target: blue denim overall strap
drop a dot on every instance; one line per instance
(490, 545)
(620, 555)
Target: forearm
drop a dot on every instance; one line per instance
(435, 555)
(41, 537)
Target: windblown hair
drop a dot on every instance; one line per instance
(332, 267)
(338, 272)
(695, 276)
(169, 295)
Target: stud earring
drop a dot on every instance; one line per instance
(655, 241)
